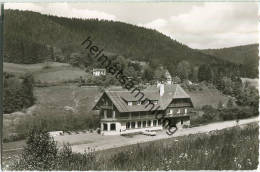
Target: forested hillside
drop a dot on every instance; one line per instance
(31, 38)
(246, 55)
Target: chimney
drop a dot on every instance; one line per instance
(161, 89)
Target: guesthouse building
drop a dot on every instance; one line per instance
(122, 111)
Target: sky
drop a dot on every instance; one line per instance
(199, 25)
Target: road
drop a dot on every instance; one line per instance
(82, 142)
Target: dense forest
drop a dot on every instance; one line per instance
(31, 37)
(247, 55)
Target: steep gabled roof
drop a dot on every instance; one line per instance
(120, 97)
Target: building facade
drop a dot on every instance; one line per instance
(122, 113)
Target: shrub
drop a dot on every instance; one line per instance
(98, 131)
(18, 93)
(67, 160)
(185, 126)
(40, 152)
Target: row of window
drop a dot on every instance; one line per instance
(141, 102)
(111, 113)
(170, 111)
(143, 124)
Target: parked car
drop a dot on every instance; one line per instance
(149, 133)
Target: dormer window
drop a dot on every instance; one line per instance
(130, 103)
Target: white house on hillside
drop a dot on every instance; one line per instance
(99, 72)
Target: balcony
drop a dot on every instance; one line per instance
(145, 117)
(180, 105)
(181, 114)
(177, 115)
(106, 107)
(108, 119)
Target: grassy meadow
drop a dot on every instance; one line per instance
(48, 72)
(207, 96)
(230, 149)
(62, 107)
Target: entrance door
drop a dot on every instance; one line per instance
(113, 127)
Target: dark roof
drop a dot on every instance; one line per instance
(120, 97)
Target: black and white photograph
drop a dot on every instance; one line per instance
(129, 85)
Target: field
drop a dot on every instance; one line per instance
(217, 150)
(207, 96)
(55, 104)
(48, 72)
(229, 149)
(55, 98)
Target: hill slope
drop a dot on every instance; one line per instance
(31, 37)
(246, 55)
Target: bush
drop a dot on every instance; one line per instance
(18, 93)
(237, 113)
(98, 130)
(185, 126)
(67, 160)
(40, 152)
(211, 114)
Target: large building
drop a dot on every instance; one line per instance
(122, 112)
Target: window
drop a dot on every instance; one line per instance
(142, 114)
(114, 114)
(186, 110)
(105, 127)
(109, 113)
(127, 125)
(181, 121)
(106, 102)
(159, 122)
(170, 112)
(138, 103)
(149, 123)
(132, 124)
(130, 103)
(135, 114)
(123, 115)
(144, 124)
(105, 113)
(139, 124)
(179, 111)
(155, 102)
(154, 122)
(113, 127)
